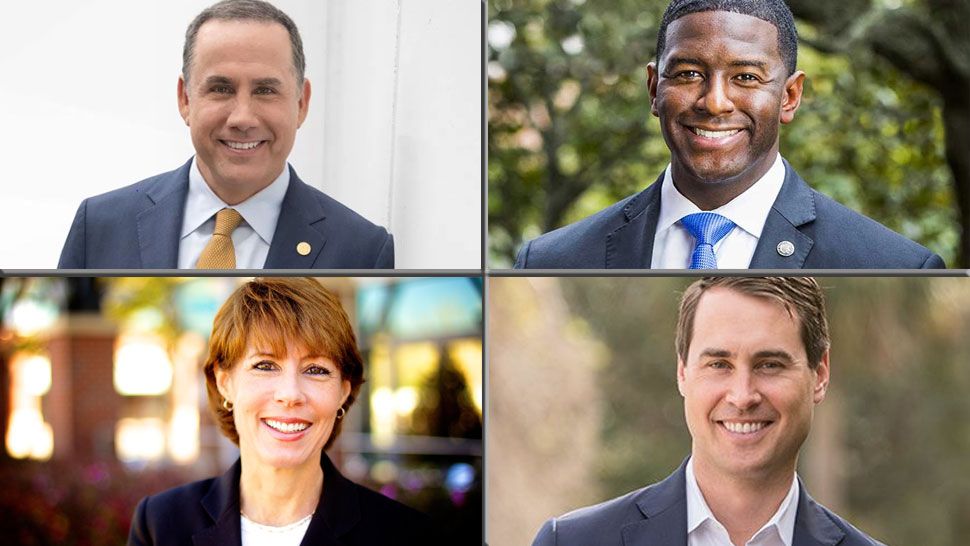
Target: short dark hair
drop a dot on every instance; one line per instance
(244, 10)
(269, 312)
(775, 12)
(801, 296)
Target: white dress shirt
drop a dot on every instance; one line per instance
(257, 534)
(673, 244)
(254, 234)
(703, 529)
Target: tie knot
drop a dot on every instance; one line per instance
(227, 220)
(707, 228)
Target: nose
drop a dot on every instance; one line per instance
(743, 392)
(243, 116)
(715, 100)
(289, 391)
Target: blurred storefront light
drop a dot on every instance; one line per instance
(142, 367)
(27, 433)
(140, 440)
(183, 434)
(35, 374)
(29, 317)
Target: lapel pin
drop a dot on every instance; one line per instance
(303, 248)
(785, 248)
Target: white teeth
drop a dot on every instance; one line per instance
(286, 427)
(242, 145)
(716, 134)
(744, 428)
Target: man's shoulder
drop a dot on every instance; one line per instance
(849, 239)
(333, 209)
(153, 187)
(582, 244)
(853, 536)
(606, 522)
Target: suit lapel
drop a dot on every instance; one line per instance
(222, 505)
(664, 507)
(160, 224)
(793, 208)
(299, 214)
(813, 527)
(630, 244)
(338, 511)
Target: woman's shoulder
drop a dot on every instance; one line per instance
(155, 517)
(180, 498)
(373, 503)
(392, 520)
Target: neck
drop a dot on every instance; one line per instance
(743, 504)
(279, 496)
(709, 194)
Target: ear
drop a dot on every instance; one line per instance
(821, 378)
(793, 96)
(304, 103)
(184, 103)
(345, 391)
(652, 78)
(681, 379)
(224, 384)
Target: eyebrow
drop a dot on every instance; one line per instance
(767, 353)
(269, 82)
(212, 80)
(223, 80)
(740, 62)
(756, 64)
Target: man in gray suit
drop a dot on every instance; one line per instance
(724, 81)
(752, 363)
(236, 204)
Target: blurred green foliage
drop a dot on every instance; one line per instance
(570, 129)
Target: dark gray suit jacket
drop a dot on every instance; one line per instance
(825, 235)
(657, 516)
(137, 227)
(206, 513)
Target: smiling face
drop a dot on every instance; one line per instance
(284, 406)
(242, 104)
(748, 390)
(720, 90)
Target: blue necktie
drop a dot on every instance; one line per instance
(707, 229)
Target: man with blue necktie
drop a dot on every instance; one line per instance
(724, 81)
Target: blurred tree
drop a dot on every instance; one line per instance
(570, 130)
(927, 41)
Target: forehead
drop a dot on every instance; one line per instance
(712, 36)
(728, 319)
(262, 48)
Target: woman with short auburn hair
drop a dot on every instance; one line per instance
(281, 373)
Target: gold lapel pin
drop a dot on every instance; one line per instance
(303, 248)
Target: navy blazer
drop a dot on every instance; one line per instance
(825, 235)
(138, 227)
(206, 513)
(657, 516)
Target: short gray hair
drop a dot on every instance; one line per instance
(244, 10)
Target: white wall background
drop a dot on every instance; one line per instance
(88, 104)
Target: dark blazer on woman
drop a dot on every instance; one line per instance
(206, 513)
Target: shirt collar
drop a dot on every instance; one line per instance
(698, 511)
(748, 210)
(261, 211)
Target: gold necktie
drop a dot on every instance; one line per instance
(219, 253)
